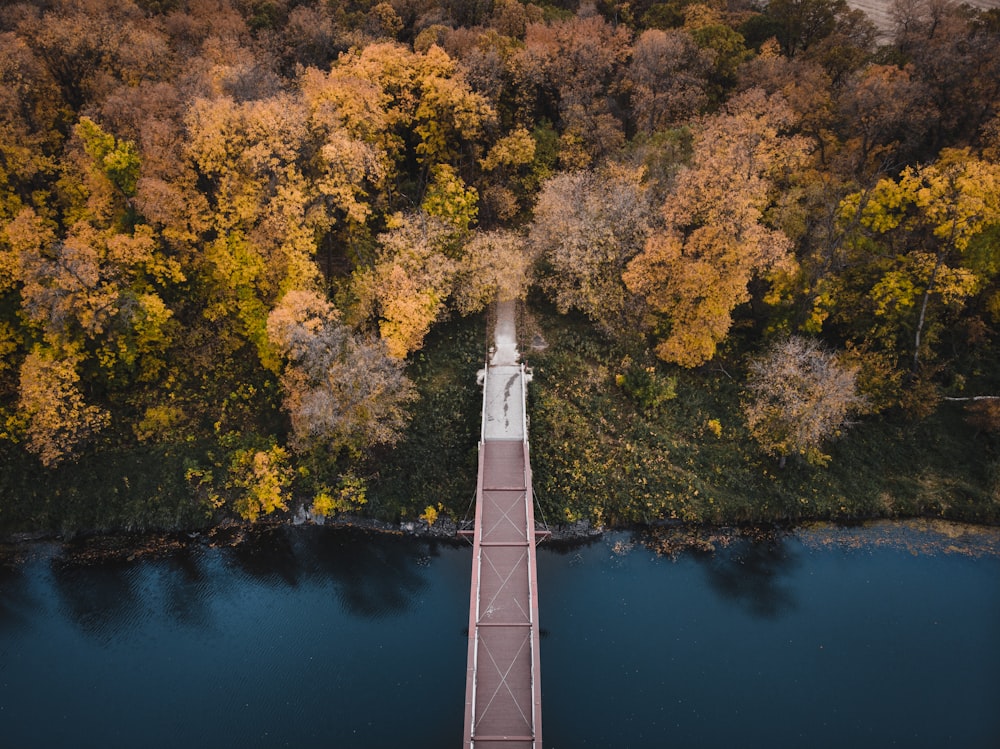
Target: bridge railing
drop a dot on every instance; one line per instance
(482, 420)
(524, 405)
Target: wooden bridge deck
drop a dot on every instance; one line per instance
(503, 686)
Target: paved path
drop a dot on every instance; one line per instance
(505, 337)
(503, 683)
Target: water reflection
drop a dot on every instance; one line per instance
(106, 598)
(16, 599)
(751, 568)
(187, 594)
(373, 580)
(319, 637)
(188, 644)
(267, 555)
(100, 599)
(755, 575)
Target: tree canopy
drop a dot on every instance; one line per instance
(227, 228)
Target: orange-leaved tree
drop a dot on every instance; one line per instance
(695, 270)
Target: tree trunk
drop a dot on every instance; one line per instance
(923, 314)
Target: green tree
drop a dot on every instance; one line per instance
(450, 200)
(117, 159)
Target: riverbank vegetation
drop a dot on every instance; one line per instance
(246, 246)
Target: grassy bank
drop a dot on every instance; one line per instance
(119, 486)
(599, 452)
(607, 449)
(608, 446)
(436, 461)
(137, 488)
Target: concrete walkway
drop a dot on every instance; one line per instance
(503, 678)
(503, 415)
(505, 337)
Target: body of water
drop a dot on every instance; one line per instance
(313, 637)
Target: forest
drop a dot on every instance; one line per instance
(244, 242)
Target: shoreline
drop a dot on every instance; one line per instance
(668, 537)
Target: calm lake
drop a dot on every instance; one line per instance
(312, 637)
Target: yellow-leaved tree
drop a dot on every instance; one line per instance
(58, 419)
(250, 155)
(932, 217)
(262, 478)
(495, 266)
(411, 280)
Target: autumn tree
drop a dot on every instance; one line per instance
(667, 79)
(101, 279)
(509, 165)
(408, 286)
(803, 25)
(30, 109)
(954, 53)
(587, 227)
(930, 215)
(58, 420)
(883, 115)
(90, 47)
(803, 84)
(726, 46)
(250, 156)
(309, 38)
(495, 266)
(582, 59)
(696, 269)
(260, 479)
(341, 391)
(450, 200)
(407, 97)
(168, 195)
(799, 395)
(511, 17)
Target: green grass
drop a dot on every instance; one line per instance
(436, 461)
(141, 488)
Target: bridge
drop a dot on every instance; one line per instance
(503, 707)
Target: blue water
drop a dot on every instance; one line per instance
(304, 639)
(771, 645)
(311, 637)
